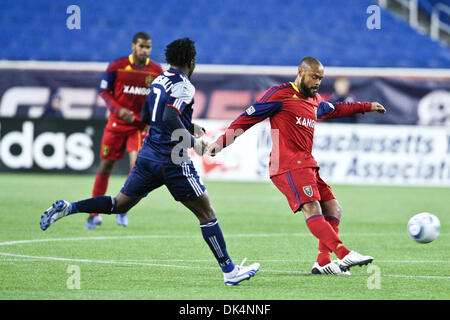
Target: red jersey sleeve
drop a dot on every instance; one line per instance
(327, 110)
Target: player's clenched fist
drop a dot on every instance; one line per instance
(197, 131)
(213, 149)
(126, 114)
(377, 107)
(200, 146)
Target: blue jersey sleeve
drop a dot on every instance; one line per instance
(145, 112)
(181, 95)
(263, 110)
(109, 77)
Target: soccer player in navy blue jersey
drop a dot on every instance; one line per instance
(163, 160)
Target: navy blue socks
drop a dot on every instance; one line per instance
(100, 204)
(214, 238)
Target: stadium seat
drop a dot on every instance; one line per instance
(265, 32)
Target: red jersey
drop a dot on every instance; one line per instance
(126, 85)
(292, 119)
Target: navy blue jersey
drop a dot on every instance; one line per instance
(171, 89)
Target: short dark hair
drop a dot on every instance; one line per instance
(141, 35)
(180, 52)
(308, 62)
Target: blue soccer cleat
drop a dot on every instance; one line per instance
(122, 219)
(93, 221)
(240, 273)
(59, 209)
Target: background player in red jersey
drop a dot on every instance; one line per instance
(293, 109)
(124, 87)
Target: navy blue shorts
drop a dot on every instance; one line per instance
(182, 180)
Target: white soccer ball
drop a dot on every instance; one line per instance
(424, 227)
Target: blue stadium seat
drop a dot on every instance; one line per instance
(428, 5)
(264, 32)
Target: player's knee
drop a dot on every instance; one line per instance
(209, 214)
(205, 215)
(338, 211)
(121, 209)
(311, 209)
(332, 208)
(123, 204)
(335, 211)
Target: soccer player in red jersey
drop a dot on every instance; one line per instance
(294, 109)
(124, 87)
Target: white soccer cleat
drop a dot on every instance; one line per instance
(59, 209)
(352, 259)
(93, 222)
(122, 219)
(330, 268)
(240, 273)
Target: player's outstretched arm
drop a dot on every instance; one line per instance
(326, 110)
(173, 121)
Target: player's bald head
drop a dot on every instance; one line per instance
(310, 63)
(310, 75)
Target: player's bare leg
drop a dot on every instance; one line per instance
(124, 203)
(212, 234)
(132, 156)
(100, 186)
(202, 208)
(331, 208)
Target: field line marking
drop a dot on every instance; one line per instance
(284, 260)
(97, 261)
(192, 267)
(414, 277)
(383, 275)
(231, 235)
(142, 263)
(253, 259)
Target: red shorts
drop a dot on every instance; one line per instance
(301, 186)
(114, 143)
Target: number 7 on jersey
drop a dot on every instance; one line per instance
(157, 92)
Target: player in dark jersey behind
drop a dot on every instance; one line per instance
(294, 109)
(124, 87)
(163, 160)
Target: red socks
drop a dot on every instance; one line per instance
(326, 232)
(324, 253)
(100, 186)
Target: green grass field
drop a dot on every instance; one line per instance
(162, 255)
